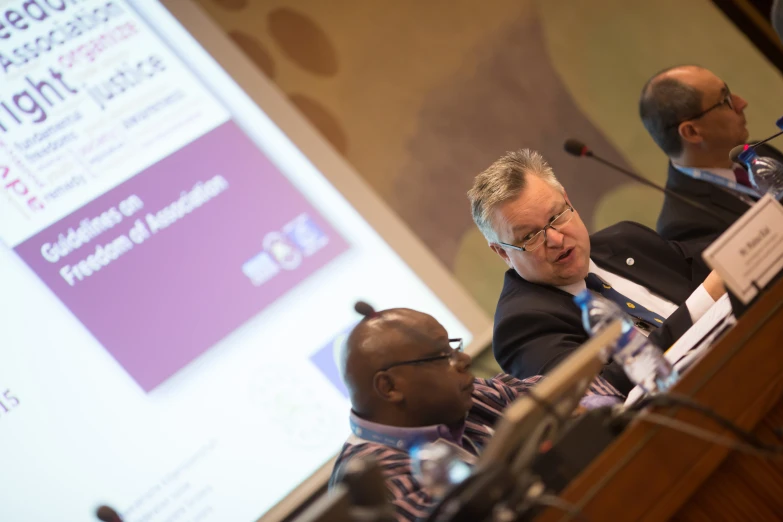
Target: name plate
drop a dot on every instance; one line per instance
(750, 253)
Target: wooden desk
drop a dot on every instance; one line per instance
(653, 473)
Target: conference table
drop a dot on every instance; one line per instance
(653, 472)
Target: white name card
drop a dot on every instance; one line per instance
(750, 253)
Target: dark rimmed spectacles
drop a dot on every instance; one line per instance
(455, 346)
(539, 238)
(727, 100)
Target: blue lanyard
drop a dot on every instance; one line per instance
(709, 177)
(405, 443)
(409, 442)
(382, 438)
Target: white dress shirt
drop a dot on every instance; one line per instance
(698, 303)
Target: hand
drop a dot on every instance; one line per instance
(713, 284)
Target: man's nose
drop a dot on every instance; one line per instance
(462, 361)
(554, 239)
(739, 102)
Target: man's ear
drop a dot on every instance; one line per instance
(565, 195)
(499, 250)
(689, 132)
(386, 387)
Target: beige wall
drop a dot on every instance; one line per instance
(420, 95)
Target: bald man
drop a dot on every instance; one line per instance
(696, 120)
(409, 383)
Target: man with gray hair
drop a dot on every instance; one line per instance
(526, 216)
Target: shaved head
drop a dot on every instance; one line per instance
(403, 395)
(378, 341)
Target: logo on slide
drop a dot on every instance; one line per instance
(282, 250)
(300, 238)
(260, 269)
(306, 235)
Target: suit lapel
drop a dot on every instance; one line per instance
(728, 201)
(687, 186)
(534, 293)
(640, 269)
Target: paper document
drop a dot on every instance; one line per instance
(696, 340)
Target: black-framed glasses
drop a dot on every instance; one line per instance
(455, 346)
(727, 100)
(539, 238)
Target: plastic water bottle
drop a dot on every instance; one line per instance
(642, 361)
(766, 174)
(438, 466)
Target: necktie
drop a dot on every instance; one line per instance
(629, 306)
(742, 176)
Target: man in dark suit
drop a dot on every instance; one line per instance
(696, 120)
(528, 220)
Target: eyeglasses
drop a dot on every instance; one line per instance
(727, 100)
(455, 346)
(539, 238)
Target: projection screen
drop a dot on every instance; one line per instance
(180, 253)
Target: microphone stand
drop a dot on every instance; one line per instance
(671, 193)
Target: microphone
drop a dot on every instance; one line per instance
(579, 149)
(364, 309)
(365, 481)
(754, 145)
(736, 151)
(107, 514)
(739, 149)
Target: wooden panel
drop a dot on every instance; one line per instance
(744, 487)
(650, 472)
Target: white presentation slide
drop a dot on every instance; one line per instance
(176, 278)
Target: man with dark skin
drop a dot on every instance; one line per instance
(394, 396)
(410, 384)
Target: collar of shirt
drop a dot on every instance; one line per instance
(404, 438)
(638, 293)
(575, 288)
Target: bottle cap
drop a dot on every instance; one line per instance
(583, 297)
(747, 155)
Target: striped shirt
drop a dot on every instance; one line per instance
(411, 500)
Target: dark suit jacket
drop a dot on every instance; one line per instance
(681, 222)
(538, 326)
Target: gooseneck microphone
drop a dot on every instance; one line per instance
(736, 151)
(107, 514)
(364, 309)
(754, 145)
(579, 149)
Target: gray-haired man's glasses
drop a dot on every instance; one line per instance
(539, 238)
